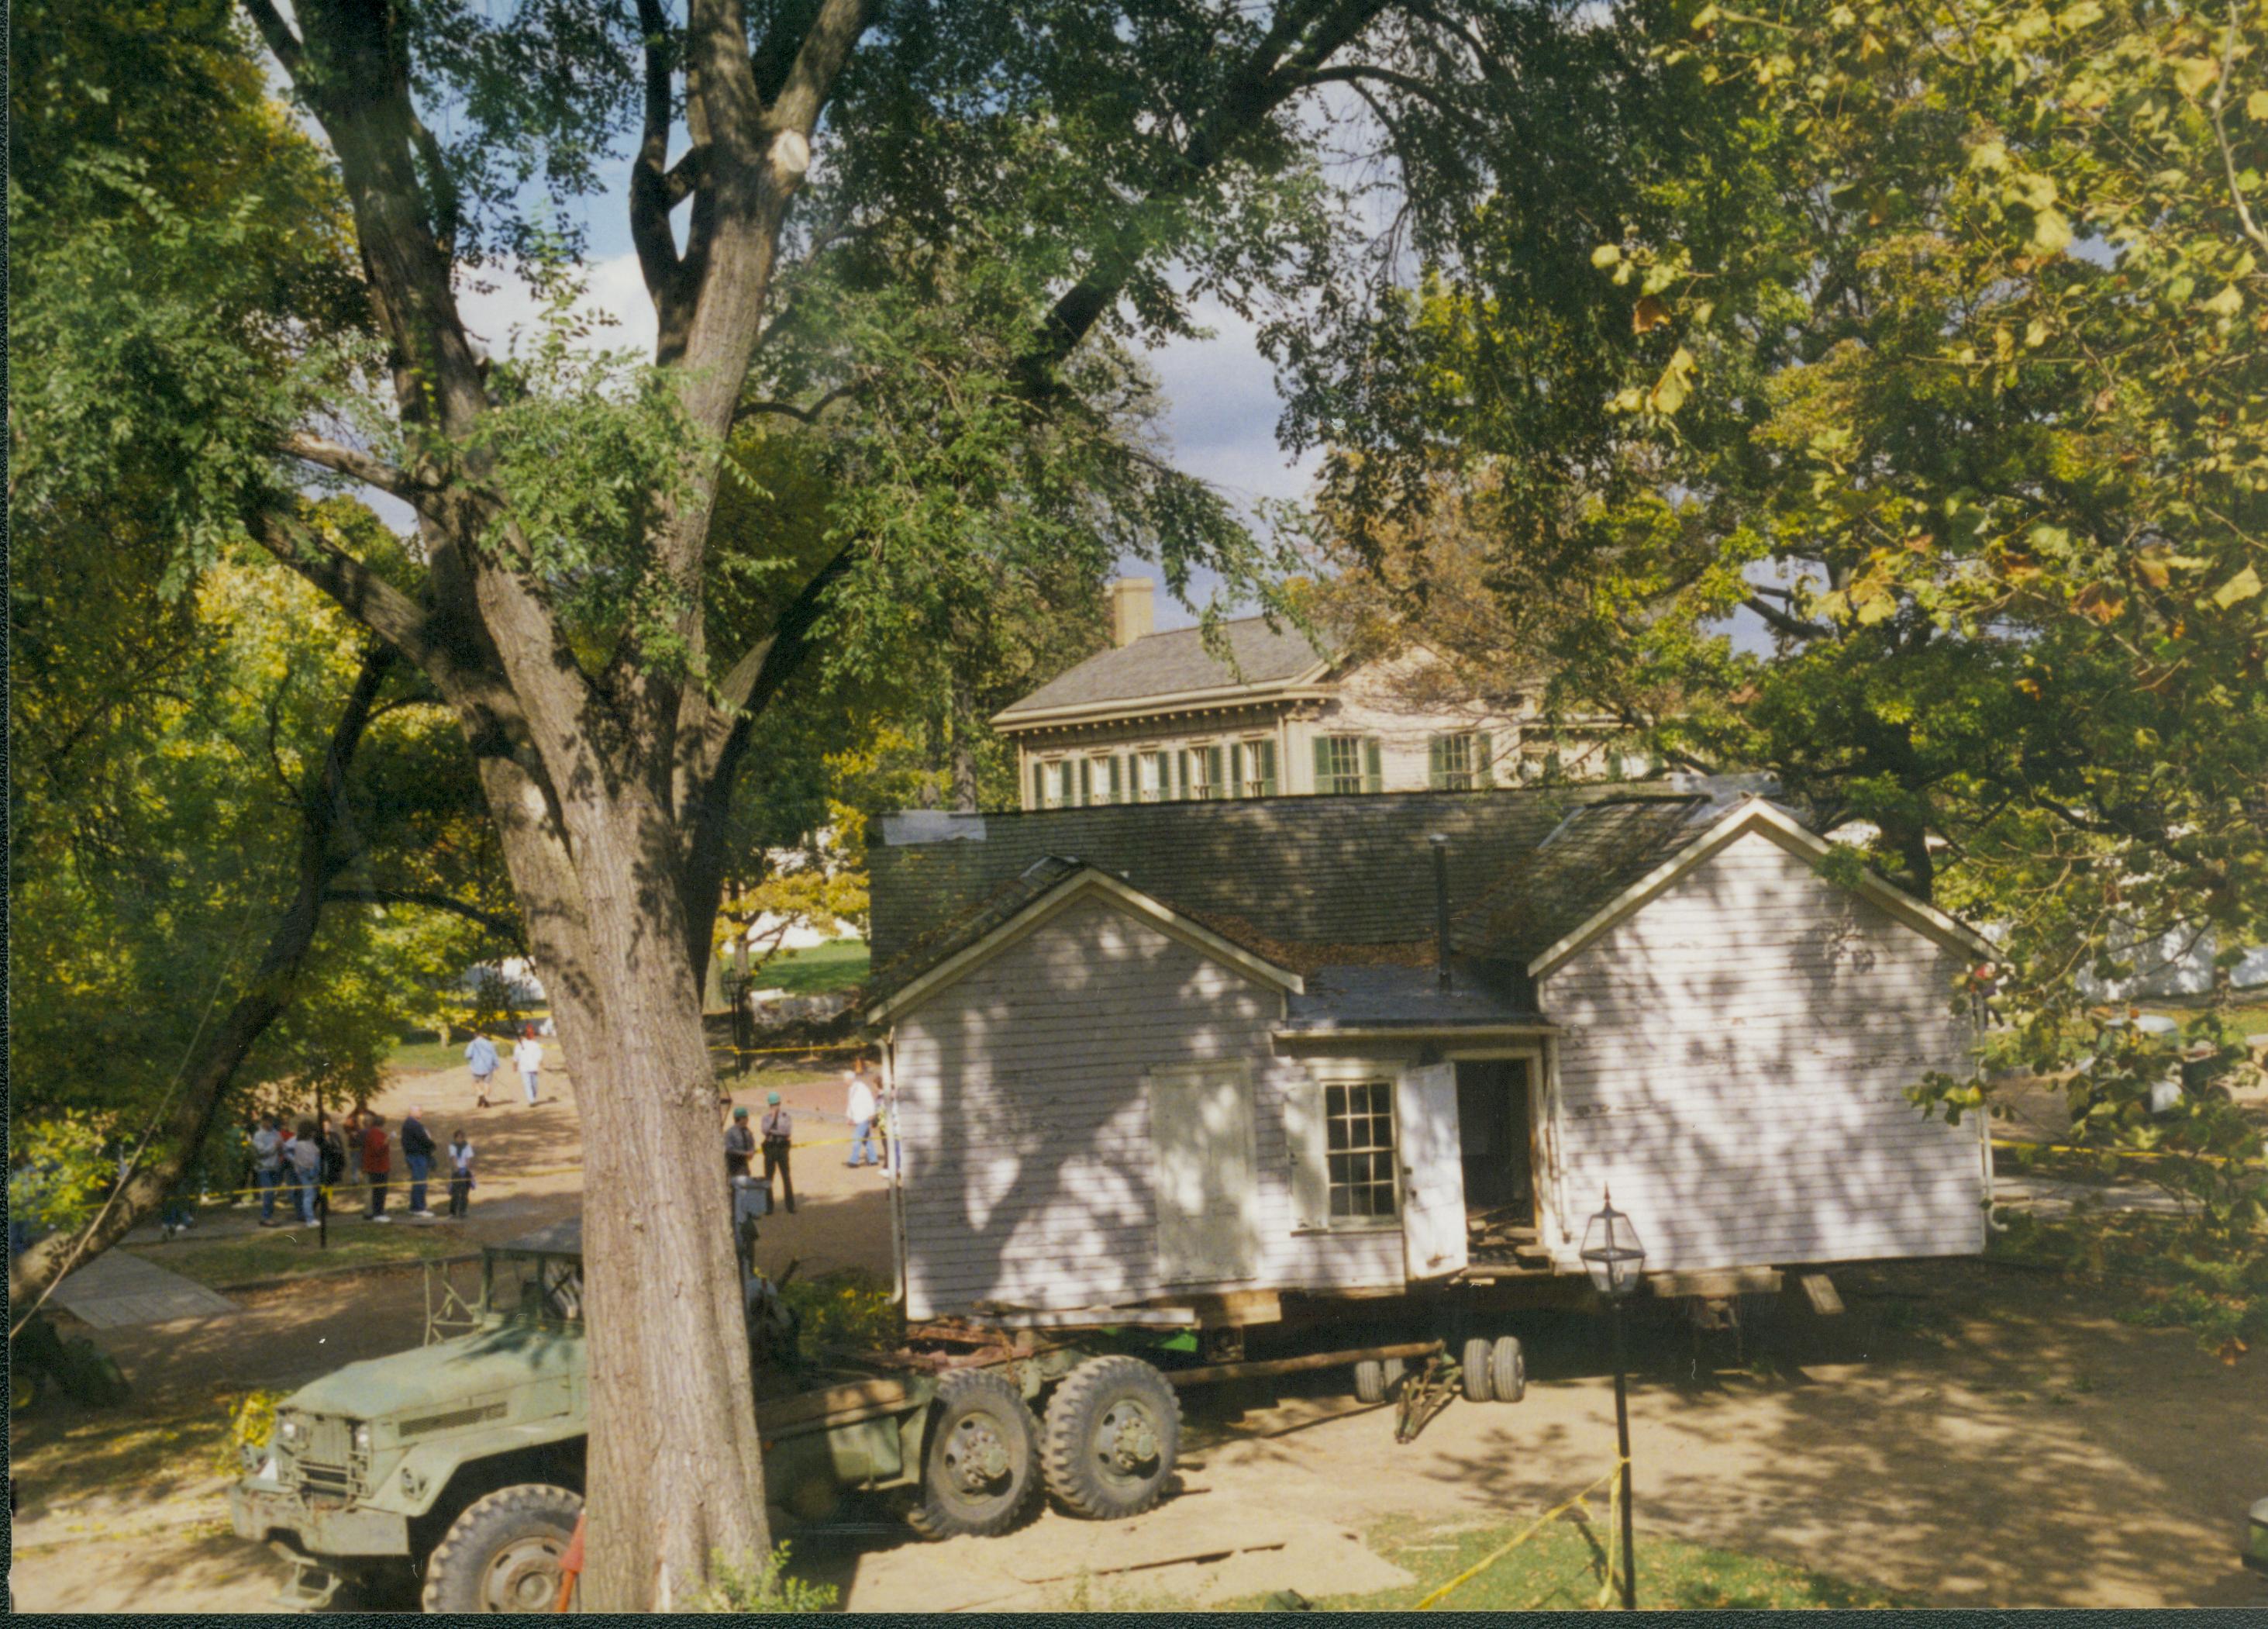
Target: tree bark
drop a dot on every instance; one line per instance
(326, 849)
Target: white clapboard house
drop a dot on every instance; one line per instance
(1203, 1053)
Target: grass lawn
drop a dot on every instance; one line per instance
(1562, 1565)
(287, 1250)
(838, 965)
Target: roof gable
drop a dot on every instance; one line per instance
(1751, 815)
(1037, 897)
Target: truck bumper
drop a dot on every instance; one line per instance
(263, 1510)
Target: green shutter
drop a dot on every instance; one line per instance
(1483, 761)
(1117, 778)
(1437, 766)
(1322, 763)
(1236, 770)
(1087, 780)
(1039, 785)
(1267, 751)
(1181, 770)
(1374, 775)
(1215, 763)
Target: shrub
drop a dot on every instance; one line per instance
(764, 1588)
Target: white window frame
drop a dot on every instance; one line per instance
(1466, 779)
(1322, 1074)
(1199, 752)
(1059, 783)
(1254, 785)
(1101, 769)
(1153, 775)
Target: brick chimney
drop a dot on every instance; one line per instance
(1133, 610)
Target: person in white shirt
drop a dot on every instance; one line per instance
(528, 1057)
(860, 1110)
(268, 1166)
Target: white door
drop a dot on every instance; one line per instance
(1433, 1170)
(1208, 1189)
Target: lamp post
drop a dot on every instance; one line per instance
(1616, 1263)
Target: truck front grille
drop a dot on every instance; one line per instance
(327, 1462)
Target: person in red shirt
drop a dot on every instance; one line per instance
(377, 1166)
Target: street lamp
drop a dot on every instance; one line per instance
(1616, 1263)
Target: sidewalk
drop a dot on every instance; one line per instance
(118, 1289)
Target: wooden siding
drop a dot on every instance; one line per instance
(1735, 1068)
(1024, 1113)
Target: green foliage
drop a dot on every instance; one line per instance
(851, 1310)
(2162, 1272)
(1928, 344)
(59, 1167)
(762, 1587)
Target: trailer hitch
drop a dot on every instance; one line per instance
(1426, 1391)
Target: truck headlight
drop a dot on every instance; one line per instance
(287, 1431)
(362, 1439)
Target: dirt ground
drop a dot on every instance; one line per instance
(1966, 1434)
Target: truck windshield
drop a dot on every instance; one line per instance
(549, 1287)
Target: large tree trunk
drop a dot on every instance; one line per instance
(676, 1469)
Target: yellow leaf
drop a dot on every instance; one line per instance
(1605, 255)
(2228, 303)
(2237, 589)
(1651, 314)
(1675, 385)
(2050, 232)
(2192, 74)
(2255, 106)
(1988, 156)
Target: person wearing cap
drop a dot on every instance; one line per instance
(778, 1128)
(740, 1145)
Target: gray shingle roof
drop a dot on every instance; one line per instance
(1174, 663)
(1592, 856)
(1339, 875)
(1397, 998)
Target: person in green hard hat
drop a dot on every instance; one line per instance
(740, 1147)
(777, 1129)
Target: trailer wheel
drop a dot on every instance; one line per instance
(1374, 1378)
(1114, 1432)
(981, 1465)
(1475, 1369)
(502, 1554)
(1507, 1367)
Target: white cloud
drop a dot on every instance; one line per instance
(616, 291)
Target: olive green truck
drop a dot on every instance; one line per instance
(458, 1466)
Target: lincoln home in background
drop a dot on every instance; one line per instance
(1158, 718)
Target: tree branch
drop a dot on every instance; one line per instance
(651, 197)
(1795, 627)
(788, 409)
(495, 922)
(356, 466)
(277, 35)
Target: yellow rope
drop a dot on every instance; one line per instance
(1526, 1533)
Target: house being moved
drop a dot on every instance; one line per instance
(1229, 1054)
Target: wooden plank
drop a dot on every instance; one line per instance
(1716, 1281)
(860, 1396)
(1821, 1294)
(1292, 1366)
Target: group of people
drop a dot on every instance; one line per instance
(482, 1058)
(313, 1156)
(866, 1105)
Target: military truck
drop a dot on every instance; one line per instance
(460, 1464)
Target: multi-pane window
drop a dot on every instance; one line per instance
(1455, 761)
(1100, 780)
(1338, 763)
(1201, 772)
(1358, 1146)
(1252, 769)
(1056, 788)
(1150, 776)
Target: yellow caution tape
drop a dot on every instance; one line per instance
(2121, 1154)
(1525, 1534)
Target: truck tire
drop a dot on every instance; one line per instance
(981, 1465)
(502, 1553)
(1376, 1378)
(1507, 1369)
(1475, 1368)
(1114, 1434)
